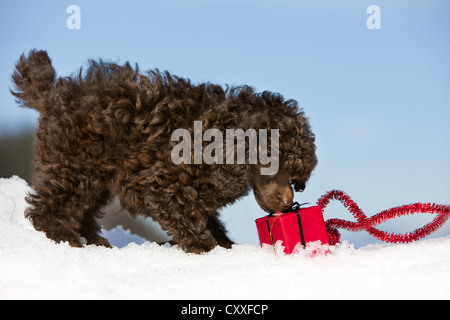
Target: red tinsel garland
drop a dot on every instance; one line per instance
(365, 223)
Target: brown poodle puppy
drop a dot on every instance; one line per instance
(108, 131)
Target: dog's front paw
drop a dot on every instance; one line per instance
(225, 243)
(99, 241)
(197, 244)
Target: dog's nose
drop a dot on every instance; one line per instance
(286, 203)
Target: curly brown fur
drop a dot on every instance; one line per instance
(107, 132)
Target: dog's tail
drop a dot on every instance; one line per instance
(33, 77)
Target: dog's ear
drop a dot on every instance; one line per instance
(299, 185)
(300, 170)
(299, 156)
(298, 180)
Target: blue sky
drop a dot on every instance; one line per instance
(378, 100)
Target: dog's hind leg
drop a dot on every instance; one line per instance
(64, 206)
(90, 228)
(48, 213)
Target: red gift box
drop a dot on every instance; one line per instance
(300, 226)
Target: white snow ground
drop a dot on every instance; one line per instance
(32, 266)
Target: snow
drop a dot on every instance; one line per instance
(32, 266)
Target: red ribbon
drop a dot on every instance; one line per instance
(367, 224)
